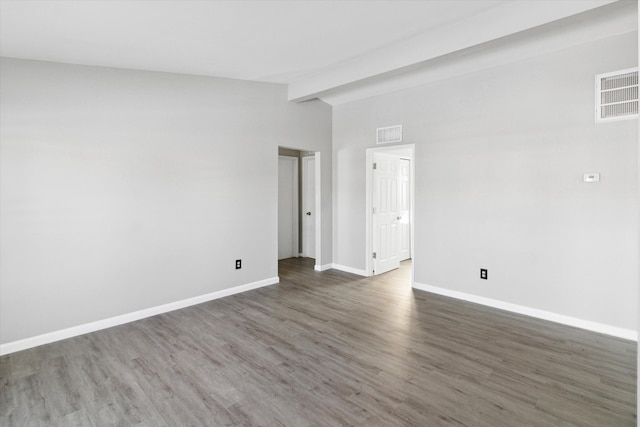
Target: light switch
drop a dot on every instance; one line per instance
(591, 177)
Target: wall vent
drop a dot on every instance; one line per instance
(389, 134)
(617, 95)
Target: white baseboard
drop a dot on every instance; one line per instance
(12, 347)
(322, 267)
(349, 270)
(602, 328)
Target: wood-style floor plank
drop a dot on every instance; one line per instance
(326, 349)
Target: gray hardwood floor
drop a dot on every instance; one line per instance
(326, 349)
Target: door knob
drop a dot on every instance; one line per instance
(309, 213)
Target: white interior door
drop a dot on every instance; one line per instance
(287, 207)
(309, 207)
(386, 213)
(404, 224)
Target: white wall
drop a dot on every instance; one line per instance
(122, 190)
(500, 156)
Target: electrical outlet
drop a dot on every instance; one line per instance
(238, 264)
(484, 274)
(591, 177)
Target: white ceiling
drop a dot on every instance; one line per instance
(319, 48)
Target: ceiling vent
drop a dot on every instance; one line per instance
(617, 95)
(389, 134)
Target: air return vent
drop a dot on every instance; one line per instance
(389, 134)
(617, 95)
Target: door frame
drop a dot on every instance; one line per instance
(318, 207)
(369, 202)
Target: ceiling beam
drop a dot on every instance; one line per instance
(611, 21)
(494, 23)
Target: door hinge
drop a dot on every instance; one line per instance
(375, 166)
(373, 210)
(374, 255)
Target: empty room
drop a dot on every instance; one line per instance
(319, 213)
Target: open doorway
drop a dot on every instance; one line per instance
(389, 204)
(288, 207)
(299, 205)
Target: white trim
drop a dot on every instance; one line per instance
(12, 347)
(322, 267)
(349, 269)
(533, 312)
(318, 169)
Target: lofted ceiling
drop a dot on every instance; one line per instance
(338, 51)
